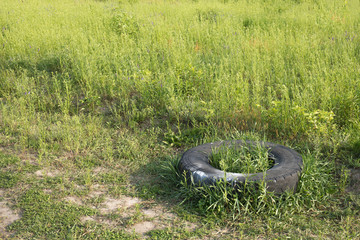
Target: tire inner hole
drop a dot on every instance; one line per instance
(242, 159)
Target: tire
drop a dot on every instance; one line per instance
(283, 176)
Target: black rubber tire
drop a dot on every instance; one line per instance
(283, 176)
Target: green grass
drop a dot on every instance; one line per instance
(99, 99)
(244, 159)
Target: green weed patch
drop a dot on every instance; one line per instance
(46, 217)
(242, 160)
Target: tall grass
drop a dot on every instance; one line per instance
(190, 61)
(118, 82)
(242, 159)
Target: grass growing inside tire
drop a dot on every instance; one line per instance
(223, 201)
(243, 159)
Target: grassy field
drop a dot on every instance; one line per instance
(99, 99)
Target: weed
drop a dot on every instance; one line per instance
(136, 217)
(210, 15)
(243, 160)
(45, 217)
(124, 23)
(8, 179)
(7, 160)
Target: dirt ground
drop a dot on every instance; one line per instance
(135, 215)
(7, 215)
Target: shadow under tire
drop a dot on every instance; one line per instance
(283, 176)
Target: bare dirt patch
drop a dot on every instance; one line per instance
(96, 194)
(47, 173)
(87, 218)
(29, 157)
(7, 216)
(48, 191)
(143, 227)
(151, 213)
(99, 170)
(158, 212)
(97, 189)
(133, 214)
(128, 202)
(111, 205)
(74, 200)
